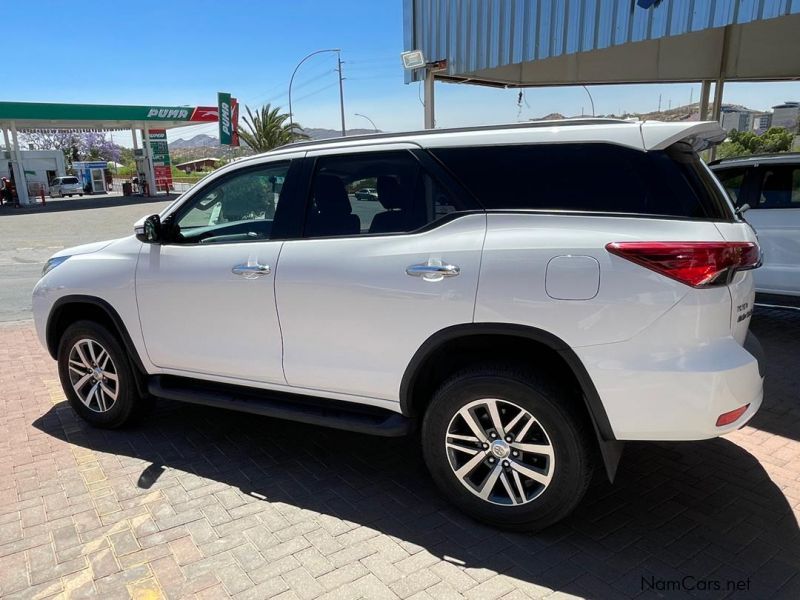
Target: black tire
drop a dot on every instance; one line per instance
(127, 405)
(561, 422)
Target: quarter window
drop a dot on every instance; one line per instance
(373, 193)
(589, 177)
(732, 180)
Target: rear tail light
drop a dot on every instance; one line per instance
(729, 417)
(697, 264)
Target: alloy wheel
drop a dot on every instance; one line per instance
(93, 375)
(500, 452)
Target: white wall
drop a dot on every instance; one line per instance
(36, 163)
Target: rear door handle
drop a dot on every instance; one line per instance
(251, 271)
(432, 272)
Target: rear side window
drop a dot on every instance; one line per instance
(69, 180)
(780, 187)
(594, 177)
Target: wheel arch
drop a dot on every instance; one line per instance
(71, 308)
(499, 337)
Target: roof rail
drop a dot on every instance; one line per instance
(762, 156)
(526, 125)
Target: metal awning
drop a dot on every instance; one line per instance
(573, 42)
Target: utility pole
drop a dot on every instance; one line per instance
(659, 103)
(341, 92)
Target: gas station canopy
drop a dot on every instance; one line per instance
(102, 117)
(152, 120)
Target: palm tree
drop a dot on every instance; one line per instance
(268, 129)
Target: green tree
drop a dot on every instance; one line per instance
(743, 143)
(268, 129)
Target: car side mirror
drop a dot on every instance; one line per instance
(150, 230)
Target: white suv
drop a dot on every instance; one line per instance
(528, 296)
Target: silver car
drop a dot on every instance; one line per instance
(68, 185)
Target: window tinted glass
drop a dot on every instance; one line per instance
(731, 180)
(588, 177)
(240, 207)
(377, 192)
(69, 180)
(780, 187)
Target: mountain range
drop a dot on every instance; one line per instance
(207, 141)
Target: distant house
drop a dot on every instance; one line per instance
(200, 164)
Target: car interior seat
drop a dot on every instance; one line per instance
(395, 214)
(332, 213)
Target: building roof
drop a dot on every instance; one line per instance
(543, 42)
(197, 160)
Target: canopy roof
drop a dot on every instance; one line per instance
(543, 42)
(105, 117)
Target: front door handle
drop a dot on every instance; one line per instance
(433, 272)
(251, 271)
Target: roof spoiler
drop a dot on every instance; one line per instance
(701, 135)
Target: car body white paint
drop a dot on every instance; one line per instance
(340, 319)
(778, 230)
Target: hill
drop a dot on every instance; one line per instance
(202, 145)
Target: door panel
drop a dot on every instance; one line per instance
(775, 215)
(207, 300)
(352, 317)
(198, 316)
(779, 236)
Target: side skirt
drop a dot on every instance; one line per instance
(281, 405)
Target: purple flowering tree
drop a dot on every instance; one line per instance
(75, 146)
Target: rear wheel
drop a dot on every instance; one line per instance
(96, 376)
(507, 447)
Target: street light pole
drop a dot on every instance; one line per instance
(590, 98)
(341, 91)
(368, 119)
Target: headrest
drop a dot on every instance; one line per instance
(389, 192)
(331, 196)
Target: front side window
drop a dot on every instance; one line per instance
(373, 193)
(780, 187)
(239, 207)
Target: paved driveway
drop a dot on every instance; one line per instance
(198, 502)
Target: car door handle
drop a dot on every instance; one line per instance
(251, 271)
(431, 272)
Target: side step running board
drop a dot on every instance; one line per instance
(281, 405)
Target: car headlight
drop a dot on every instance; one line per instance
(53, 263)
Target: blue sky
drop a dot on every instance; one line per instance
(183, 52)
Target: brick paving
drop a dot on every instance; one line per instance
(202, 503)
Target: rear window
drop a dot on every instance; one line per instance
(594, 177)
(69, 180)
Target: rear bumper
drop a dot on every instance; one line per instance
(676, 394)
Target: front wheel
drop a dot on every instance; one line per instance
(96, 376)
(507, 447)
